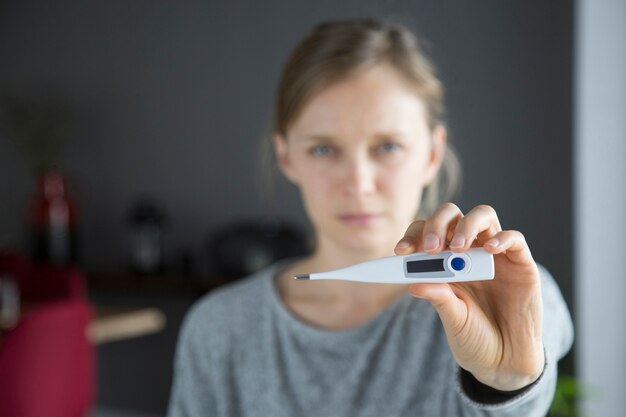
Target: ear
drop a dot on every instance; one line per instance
(282, 156)
(437, 152)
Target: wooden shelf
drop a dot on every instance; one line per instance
(111, 324)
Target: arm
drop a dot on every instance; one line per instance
(191, 389)
(534, 399)
(495, 329)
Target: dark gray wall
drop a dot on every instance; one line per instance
(173, 97)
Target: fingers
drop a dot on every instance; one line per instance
(480, 223)
(432, 235)
(439, 228)
(452, 310)
(511, 242)
(448, 227)
(412, 237)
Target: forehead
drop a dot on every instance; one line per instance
(375, 99)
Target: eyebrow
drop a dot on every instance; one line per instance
(318, 138)
(390, 134)
(329, 138)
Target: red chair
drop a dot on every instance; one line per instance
(47, 363)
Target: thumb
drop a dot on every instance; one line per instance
(452, 310)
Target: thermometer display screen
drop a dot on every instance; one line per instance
(428, 265)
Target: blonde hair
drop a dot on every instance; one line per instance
(332, 52)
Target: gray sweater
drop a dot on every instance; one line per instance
(242, 353)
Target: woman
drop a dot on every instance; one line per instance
(358, 130)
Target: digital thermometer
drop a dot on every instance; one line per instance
(475, 264)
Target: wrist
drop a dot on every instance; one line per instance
(508, 383)
(513, 380)
(484, 394)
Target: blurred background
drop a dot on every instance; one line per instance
(153, 113)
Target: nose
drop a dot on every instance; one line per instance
(360, 176)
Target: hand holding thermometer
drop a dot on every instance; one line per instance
(475, 264)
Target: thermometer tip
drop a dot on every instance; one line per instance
(301, 277)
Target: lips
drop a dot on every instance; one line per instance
(359, 219)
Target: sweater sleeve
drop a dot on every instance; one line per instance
(534, 400)
(192, 394)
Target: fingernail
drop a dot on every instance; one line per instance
(402, 245)
(493, 242)
(431, 242)
(458, 241)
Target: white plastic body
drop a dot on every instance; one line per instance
(478, 266)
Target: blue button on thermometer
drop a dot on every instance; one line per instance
(457, 263)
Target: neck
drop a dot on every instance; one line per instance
(328, 257)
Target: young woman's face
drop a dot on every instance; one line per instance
(361, 153)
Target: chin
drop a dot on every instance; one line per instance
(369, 246)
(366, 241)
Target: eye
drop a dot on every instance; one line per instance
(321, 150)
(388, 147)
